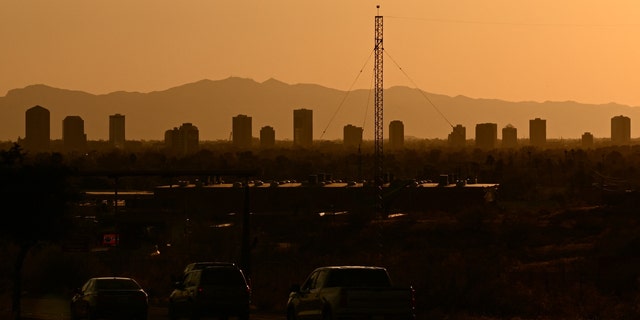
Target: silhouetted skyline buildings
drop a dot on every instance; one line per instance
(241, 131)
(620, 130)
(303, 127)
(396, 134)
(73, 135)
(185, 139)
(117, 130)
(37, 129)
(352, 136)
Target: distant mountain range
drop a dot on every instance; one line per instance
(210, 105)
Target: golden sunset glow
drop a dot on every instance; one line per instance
(586, 51)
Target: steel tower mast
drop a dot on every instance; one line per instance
(378, 121)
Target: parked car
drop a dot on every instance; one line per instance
(213, 291)
(110, 297)
(350, 292)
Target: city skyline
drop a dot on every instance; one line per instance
(270, 103)
(516, 51)
(185, 139)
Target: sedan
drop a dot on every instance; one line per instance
(110, 297)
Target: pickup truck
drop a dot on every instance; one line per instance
(350, 292)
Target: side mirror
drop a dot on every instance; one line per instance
(178, 285)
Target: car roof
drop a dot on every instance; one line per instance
(351, 267)
(203, 264)
(112, 278)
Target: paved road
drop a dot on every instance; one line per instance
(56, 308)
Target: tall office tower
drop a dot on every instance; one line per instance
(171, 138)
(242, 135)
(267, 137)
(352, 136)
(587, 140)
(73, 136)
(458, 137)
(509, 136)
(183, 140)
(303, 127)
(537, 132)
(396, 134)
(37, 129)
(189, 138)
(116, 130)
(486, 135)
(620, 130)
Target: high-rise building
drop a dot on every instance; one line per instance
(303, 127)
(242, 135)
(537, 132)
(620, 130)
(486, 135)
(352, 136)
(396, 134)
(458, 137)
(267, 137)
(509, 136)
(116, 130)
(183, 140)
(587, 140)
(73, 136)
(37, 129)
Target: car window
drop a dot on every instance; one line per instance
(116, 284)
(358, 278)
(190, 279)
(222, 276)
(310, 283)
(87, 286)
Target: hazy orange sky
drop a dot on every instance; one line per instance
(525, 50)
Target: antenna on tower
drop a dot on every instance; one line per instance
(378, 121)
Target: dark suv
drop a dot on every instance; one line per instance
(214, 291)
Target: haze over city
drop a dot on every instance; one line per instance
(583, 51)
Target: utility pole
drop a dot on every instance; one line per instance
(378, 121)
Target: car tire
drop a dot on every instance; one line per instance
(171, 313)
(326, 314)
(291, 314)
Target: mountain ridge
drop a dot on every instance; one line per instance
(210, 105)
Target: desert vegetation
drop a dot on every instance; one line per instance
(561, 241)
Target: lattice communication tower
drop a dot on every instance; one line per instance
(378, 121)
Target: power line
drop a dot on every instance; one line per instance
(421, 91)
(344, 98)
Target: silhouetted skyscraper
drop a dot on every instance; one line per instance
(458, 137)
(116, 130)
(620, 130)
(486, 135)
(303, 127)
(587, 140)
(37, 129)
(73, 135)
(538, 132)
(352, 136)
(267, 137)
(509, 136)
(183, 140)
(242, 135)
(396, 134)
